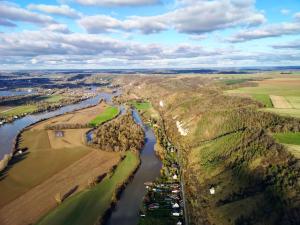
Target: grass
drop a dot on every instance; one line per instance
(19, 110)
(54, 98)
(284, 112)
(264, 99)
(108, 114)
(141, 105)
(291, 141)
(88, 206)
(289, 88)
(288, 138)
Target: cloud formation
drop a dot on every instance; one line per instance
(117, 3)
(11, 13)
(274, 30)
(61, 10)
(195, 17)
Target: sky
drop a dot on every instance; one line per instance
(126, 34)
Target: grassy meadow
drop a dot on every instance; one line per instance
(291, 140)
(287, 88)
(88, 206)
(109, 113)
(14, 111)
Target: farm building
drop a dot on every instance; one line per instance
(59, 133)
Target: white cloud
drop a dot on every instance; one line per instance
(205, 16)
(290, 45)
(103, 23)
(194, 17)
(61, 10)
(285, 11)
(60, 28)
(11, 13)
(297, 16)
(273, 30)
(118, 3)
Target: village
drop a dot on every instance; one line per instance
(164, 202)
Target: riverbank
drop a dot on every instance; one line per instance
(82, 209)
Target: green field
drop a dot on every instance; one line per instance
(54, 98)
(288, 138)
(264, 99)
(291, 141)
(88, 206)
(141, 105)
(108, 114)
(19, 110)
(289, 88)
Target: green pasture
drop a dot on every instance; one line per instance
(108, 114)
(88, 206)
(19, 110)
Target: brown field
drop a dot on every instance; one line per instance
(280, 102)
(83, 116)
(29, 207)
(51, 165)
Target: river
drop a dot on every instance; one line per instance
(127, 208)
(9, 131)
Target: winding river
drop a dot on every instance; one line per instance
(127, 209)
(9, 131)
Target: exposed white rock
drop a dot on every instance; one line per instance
(161, 103)
(183, 131)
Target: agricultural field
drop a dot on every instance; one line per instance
(109, 113)
(18, 110)
(279, 95)
(27, 105)
(54, 98)
(75, 209)
(145, 107)
(291, 141)
(61, 158)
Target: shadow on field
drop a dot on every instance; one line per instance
(12, 162)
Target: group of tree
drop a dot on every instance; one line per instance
(121, 134)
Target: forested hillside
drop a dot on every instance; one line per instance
(228, 147)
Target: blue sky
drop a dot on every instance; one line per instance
(148, 33)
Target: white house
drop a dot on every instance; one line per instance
(212, 191)
(175, 206)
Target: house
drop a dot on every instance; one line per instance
(212, 191)
(175, 177)
(175, 206)
(59, 133)
(175, 191)
(175, 214)
(179, 223)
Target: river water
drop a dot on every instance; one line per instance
(127, 208)
(9, 131)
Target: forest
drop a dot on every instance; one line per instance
(121, 134)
